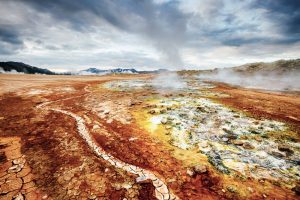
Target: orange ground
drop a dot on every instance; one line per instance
(59, 165)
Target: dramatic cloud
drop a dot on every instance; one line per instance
(67, 34)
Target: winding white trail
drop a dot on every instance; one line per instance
(161, 190)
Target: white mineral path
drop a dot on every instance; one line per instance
(161, 190)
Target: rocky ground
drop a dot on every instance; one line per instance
(105, 138)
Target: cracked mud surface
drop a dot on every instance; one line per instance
(79, 139)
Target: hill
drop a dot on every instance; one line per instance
(19, 67)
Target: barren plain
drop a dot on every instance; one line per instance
(119, 137)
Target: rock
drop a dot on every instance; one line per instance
(286, 149)
(152, 112)
(131, 103)
(228, 131)
(254, 132)
(132, 138)
(237, 142)
(231, 188)
(200, 169)
(258, 139)
(231, 136)
(247, 145)
(203, 144)
(164, 121)
(215, 159)
(106, 112)
(92, 196)
(96, 126)
(225, 139)
(19, 161)
(163, 111)
(19, 196)
(200, 109)
(15, 168)
(277, 154)
(190, 172)
(68, 177)
(296, 189)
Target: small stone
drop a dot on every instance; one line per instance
(92, 196)
(250, 189)
(190, 172)
(151, 112)
(258, 139)
(163, 111)
(247, 145)
(200, 169)
(19, 196)
(19, 161)
(225, 139)
(96, 126)
(106, 112)
(132, 138)
(164, 121)
(15, 168)
(228, 131)
(285, 149)
(67, 177)
(277, 154)
(231, 136)
(296, 189)
(237, 142)
(200, 109)
(232, 189)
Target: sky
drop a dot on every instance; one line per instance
(68, 35)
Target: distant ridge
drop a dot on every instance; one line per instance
(22, 68)
(19, 67)
(279, 67)
(95, 71)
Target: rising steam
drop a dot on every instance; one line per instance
(168, 81)
(267, 81)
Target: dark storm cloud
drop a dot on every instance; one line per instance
(10, 35)
(10, 40)
(164, 32)
(163, 23)
(286, 13)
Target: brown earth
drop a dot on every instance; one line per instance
(43, 157)
(273, 105)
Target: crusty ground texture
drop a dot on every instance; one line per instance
(43, 156)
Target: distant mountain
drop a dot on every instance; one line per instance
(95, 71)
(279, 67)
(282, 75)
(18, 67)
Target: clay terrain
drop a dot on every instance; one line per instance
(135, 137)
